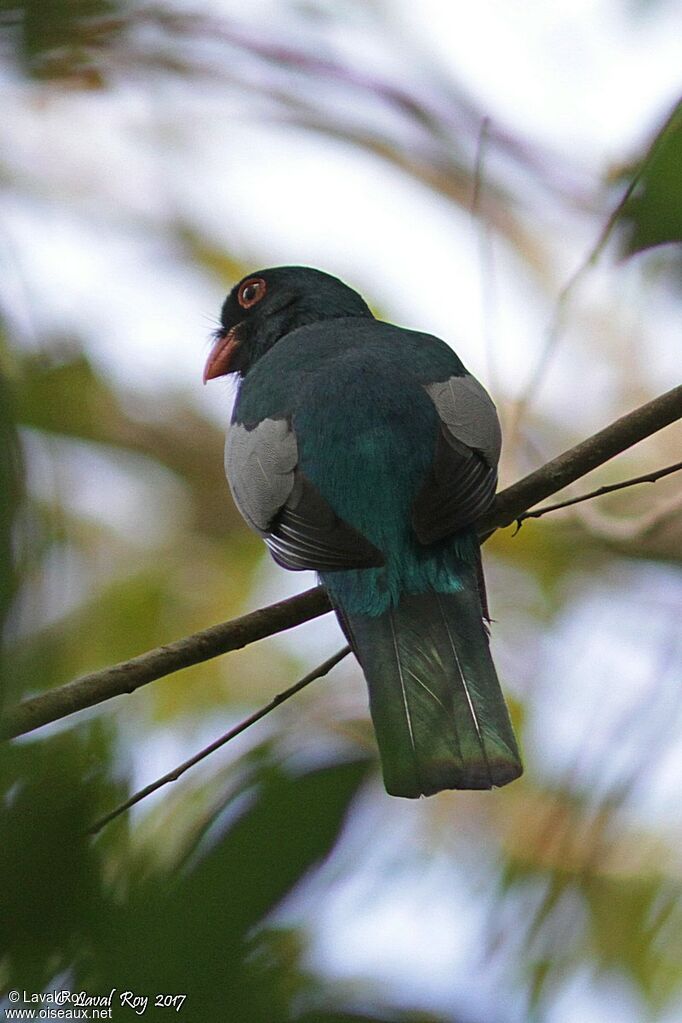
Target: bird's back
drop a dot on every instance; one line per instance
(366, 431)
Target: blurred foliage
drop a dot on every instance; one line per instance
(61, 39)
(593, 892)
(152, 594)
(10, 483)
(186, 896)
(98, 911)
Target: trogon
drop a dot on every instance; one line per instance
(367, 452)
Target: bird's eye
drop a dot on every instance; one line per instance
(250, 292)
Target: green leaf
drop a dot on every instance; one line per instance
(292, 824)
(11, 486)
(60, 38)
(195, 926)
(50, 876)
(653, 213)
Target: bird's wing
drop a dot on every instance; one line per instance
(278, 501)
(461, 484)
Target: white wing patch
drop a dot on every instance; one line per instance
(468, 411)
(259, 465)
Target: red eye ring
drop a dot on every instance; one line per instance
(251, 291)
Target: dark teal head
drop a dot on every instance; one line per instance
(268, 304)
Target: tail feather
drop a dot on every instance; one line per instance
(438, 711)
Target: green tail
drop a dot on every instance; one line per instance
(438, 711)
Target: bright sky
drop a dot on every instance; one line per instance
(581, 78)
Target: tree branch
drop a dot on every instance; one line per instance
(650, 477)
(127, 676)
(509, 505)
(318, 672)
(581, 459)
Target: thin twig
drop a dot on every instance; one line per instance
(485, 253)
(507, 507)
(650, 477)
(565, 295)
(483, 138)
(575, 463)
(177, 772)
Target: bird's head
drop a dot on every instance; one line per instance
(268, 304)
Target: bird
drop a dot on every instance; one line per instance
(366, 452)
